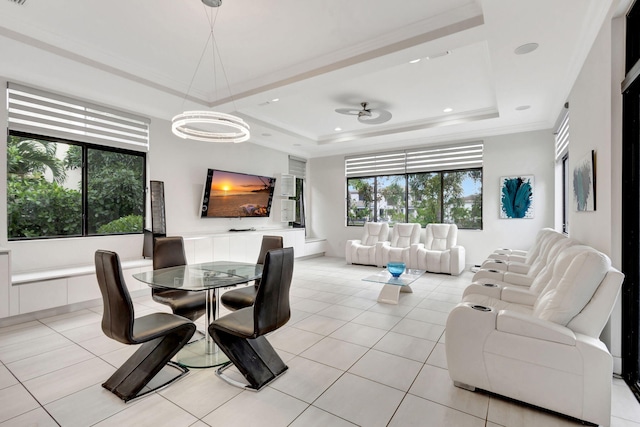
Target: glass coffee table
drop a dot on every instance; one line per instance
(390, 292)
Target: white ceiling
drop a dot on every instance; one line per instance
(143, 55)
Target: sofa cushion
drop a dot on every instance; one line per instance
(578, 282)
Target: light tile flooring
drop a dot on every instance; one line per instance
(352, 361)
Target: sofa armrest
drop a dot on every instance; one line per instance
(348, 247)
(488, 289)
(413, 254)
(502, 257)
(490, 274)
(525, 325)
(518, 258)
(517, 279)
(380, 247)
(458, 256)
(495, 264)
(522, 296)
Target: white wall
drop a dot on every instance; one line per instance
(529, 153)
(182, 165)
(595, 105)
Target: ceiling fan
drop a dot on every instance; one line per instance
(369, 116)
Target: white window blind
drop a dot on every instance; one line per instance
(459, 156)
(427, 159)
(562, 137)
(35, 111)
(297, 167)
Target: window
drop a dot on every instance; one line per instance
(562, 159)
(421, 193)
(73, 168)
(50, 194)
(298, 168)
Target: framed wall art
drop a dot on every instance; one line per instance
(516, 196)
(584, 183)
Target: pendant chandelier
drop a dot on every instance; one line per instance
(210, 126)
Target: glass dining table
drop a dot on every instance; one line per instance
(208, 277)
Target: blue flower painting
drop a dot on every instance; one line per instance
(516, 197)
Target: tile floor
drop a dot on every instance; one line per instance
(352, 361)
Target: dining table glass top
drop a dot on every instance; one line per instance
(199, 277)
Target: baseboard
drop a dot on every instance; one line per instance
(617, 365)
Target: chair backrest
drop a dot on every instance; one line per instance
(577, 275)
(440, 237)
(168, 252)
(271, 308)
(404, 235)
(550, 249)
(268, 243)
(118, 314)
(374, 232)
(541, 238)
(546, 274)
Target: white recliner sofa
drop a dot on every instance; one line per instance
(549, 250)
(367, 250)
(440, 252)
(397, 249)
(547, 354)
(521, 264)
(507, 254)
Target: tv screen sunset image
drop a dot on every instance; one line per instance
(237, 195)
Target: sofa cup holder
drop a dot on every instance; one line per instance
(480, 307)
(493, 271)
(490, 285)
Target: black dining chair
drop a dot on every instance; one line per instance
(161, 335)
(241, 334)
(236, 299)
(169, 252)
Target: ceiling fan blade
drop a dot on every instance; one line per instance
(377, 117)
(349, 111)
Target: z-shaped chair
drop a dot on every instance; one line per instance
(162, 335)
(403, 237)
(440, 253)
(169, 252)
(549, 354)
(236, 299)
(241, 334)
(367, 250)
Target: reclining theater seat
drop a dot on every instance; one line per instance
(366, 250)
(551, 248)
(548, 354)
(522, 264)
(517, 292)
(507, 254)
(403, 237)
(440, 253)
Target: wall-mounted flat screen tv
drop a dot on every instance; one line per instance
(233, 195)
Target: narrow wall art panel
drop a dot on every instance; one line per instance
(584, 183)
(516, 196)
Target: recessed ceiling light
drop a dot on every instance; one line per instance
(338, 129)
(448, 110)
(525, 48)
(414, 61)
(523, 107)
(439, 55)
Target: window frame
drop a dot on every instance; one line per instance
(406, 176)
(85, 146)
